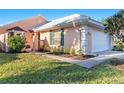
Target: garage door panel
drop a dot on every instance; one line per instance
(100, 41)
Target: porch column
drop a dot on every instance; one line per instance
(38, 37)
(5, 42)
(83, 39)
(36, 41)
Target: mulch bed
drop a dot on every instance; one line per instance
(120, 67)
(76, 57)
(118, 63)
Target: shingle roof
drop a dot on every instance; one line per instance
(27, 24)
(1, 30)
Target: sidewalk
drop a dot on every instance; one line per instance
(89, 63)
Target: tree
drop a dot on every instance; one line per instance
(114, 24)
(16, 44)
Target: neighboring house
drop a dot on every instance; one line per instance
(75, 31)
(22, 28)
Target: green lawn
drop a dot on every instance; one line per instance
(29, 68)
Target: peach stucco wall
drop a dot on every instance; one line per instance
(71, 38)
(45, 35)
(2, 38)
(2, 41)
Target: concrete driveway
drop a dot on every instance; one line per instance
(89, 63)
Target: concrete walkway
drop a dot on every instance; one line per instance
(89, 63)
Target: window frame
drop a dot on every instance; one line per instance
(53, 37)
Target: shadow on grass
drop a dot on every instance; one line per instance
(7, 58)
(58, 74)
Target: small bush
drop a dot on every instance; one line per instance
(67, 50)
(56, 50)
(73, 52)
(118, 46)
(51, 50)
(80, 52)
(16, 44)
(46, 49)
(41, 48)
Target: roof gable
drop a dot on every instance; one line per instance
(16, 28)
(27, 24)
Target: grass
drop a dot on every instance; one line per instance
(34, 69)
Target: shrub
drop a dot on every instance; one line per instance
(67, 50)
(73, 52)
(46, 49)
(51, 50)
(56, 50)
(41, 48)
(80, 52)
(118, 46)
(16, 44)
(60, 50)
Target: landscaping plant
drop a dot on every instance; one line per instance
(73, 52)
(114, 25)
(67, 50)
(118, 46)
(46, 49)
(15, 44)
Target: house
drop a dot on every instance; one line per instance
(23, 28)
(75, 31)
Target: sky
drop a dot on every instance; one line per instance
(9, 16)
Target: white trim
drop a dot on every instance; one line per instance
(67, 20)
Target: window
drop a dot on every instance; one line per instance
(18, 34)
(11, 34)
(56, 37)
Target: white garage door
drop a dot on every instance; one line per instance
(100, 41)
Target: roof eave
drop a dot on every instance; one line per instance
(79, 21)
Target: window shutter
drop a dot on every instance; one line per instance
(62, 37)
